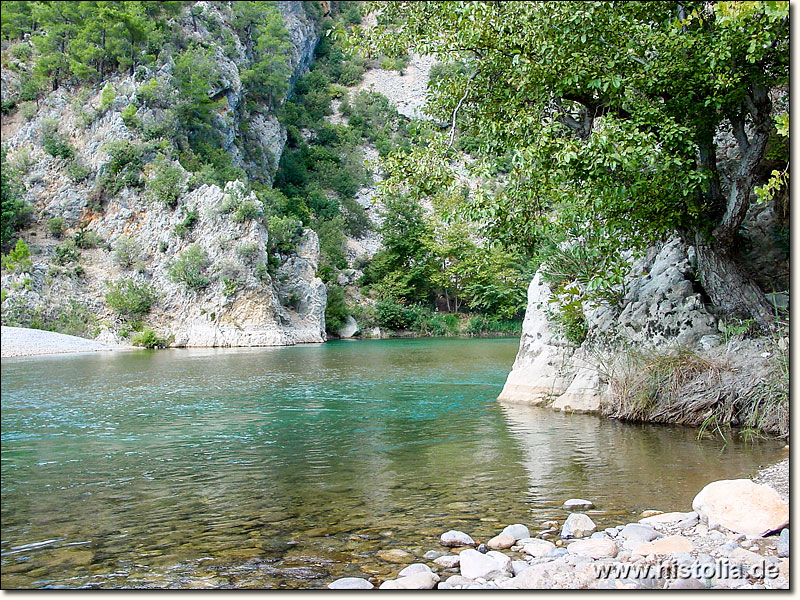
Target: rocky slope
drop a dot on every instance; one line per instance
(245, 304)
(663, 313)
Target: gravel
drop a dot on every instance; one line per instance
(20, 341)
(776, 476)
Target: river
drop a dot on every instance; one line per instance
(291, 467)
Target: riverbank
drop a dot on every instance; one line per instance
(734, 537)
(22, 341)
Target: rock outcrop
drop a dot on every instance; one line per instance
(660, 307)
(250, 300)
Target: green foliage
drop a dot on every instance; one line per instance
(107, 97)
(16, 213)
(77, 171)
(66, 253)
(129, 298)
(190, 268)
(54, 143)
(165, 184)
(126, 252)
(283, 232)
(85, 239)
(18, 259)
(190, 219)
(148, 338)
(56, 226)
(246, 211)
(336, 310)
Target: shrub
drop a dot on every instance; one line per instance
(246, 211)
(149, 339)
(189, 221)
(166, 184)
(54, 143)
(283, 232)
(247, 252)
(126, 252)
(66, 253)
(336, 310)
(130, 299)
(28, 110)
(189, 268)
(15, 211)
(18, 259)
(392, 315)
(107, 97)
(56, 225)
(129, 117)
(86, 239)
(77, 171)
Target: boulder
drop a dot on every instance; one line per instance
(350, 583)
(742, 506)
(517, 531)
(501, 542)
(518, 566)
(537, 548)
(503, 560)
(454, 538)
(415, 568)
(595, 548)
(668, 545)
(573, 503)
(474, 564)
(448, 561)
(577, 525)
(417, 581)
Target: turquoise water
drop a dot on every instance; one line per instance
(290, 467)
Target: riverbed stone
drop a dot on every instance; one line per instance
(456, 582)
(638, 534)
(395, 555)
(474, 564)
(686, 584)
(593, 548)
(432, 554)
(537, 548)
(501, 542)
(783, 543)
(417, 581)
(518, 566)
(666, 518)
(503, 560)
(455, 538)
(448, 561)
(650, 513)
(577, 503)
(557, 553)
(414, 568)
(517, 531)
(611, 531)
(577, 525)
(350, 583)
(742, 506)
(667, 545)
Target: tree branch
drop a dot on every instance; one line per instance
(457, 108)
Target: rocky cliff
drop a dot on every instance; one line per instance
(251, 298)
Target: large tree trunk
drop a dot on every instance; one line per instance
(731, 290)
(727, 284)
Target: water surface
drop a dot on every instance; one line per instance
(290, 467)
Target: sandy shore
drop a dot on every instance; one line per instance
(21, 341)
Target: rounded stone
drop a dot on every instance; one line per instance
(742, 506)
(350, 583)
(454, 538)
(577, 503)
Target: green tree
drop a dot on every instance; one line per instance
(15, 211)
(611, 110)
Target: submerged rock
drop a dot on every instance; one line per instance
(395, 555)
(573, 503)
(454, 538)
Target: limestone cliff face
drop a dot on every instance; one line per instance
(660, 308)
(246, 303)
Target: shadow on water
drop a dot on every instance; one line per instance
(289, 467)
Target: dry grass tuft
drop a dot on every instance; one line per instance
(678, 385)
